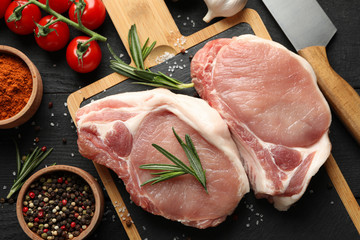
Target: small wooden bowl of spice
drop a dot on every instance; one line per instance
(60, 202)
(21, 88)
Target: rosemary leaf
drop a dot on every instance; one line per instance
(28, 161)
(125, 71)
(155, 166)
(196, 166)
(144, 46)
(143, 49)
(193, 158)
(167, 171)
(170, 79)
(135, 48)
(163, 177)
(114, 55)
(148, 50)
(172, 158)
(18, 159)
(31, 162)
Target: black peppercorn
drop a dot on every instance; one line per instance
(63, 205)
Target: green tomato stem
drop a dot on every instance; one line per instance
(82, 28)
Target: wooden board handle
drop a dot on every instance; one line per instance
(152, 18)
(342, 97)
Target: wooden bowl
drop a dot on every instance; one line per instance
(90, 180)
(36, 95)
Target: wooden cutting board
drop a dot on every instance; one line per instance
(154, 20)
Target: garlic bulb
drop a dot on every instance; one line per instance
(223, 8)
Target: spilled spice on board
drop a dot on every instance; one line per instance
(15, 85)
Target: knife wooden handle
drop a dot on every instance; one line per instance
(342, 97)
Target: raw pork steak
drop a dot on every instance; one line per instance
(118, 131)
(270, 100)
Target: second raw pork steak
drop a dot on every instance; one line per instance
(276, 113)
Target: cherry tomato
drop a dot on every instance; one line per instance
(90, 60)
(26, 24)
(59, 6)
(55, 40)
(93, 15)
(3, 6)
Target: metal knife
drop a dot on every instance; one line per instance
(309, 30)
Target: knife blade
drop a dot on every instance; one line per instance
(309, 30)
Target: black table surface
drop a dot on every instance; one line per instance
(319, 214)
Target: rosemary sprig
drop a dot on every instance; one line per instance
(139, 73)
(30, 163)
(168, 171)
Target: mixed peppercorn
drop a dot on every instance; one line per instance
(59, 206)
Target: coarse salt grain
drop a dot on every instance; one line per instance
(14, 173)
(164, 57)
(52, 124)
(4, 187)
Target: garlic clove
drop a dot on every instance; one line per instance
(223, 8)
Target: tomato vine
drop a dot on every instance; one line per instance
(79, 26)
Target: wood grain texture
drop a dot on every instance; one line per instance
(344, 191)
(119, 205)
(341, 96)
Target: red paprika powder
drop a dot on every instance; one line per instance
(15, 85)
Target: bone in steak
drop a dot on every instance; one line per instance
(118, 131)
(270, 100)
